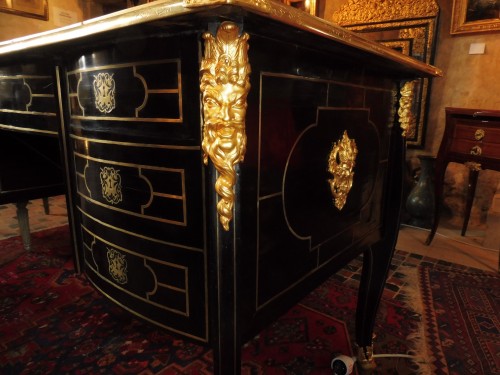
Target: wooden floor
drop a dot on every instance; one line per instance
(448, 245)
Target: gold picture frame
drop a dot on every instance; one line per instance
(475, 16)
(308, 6)
(27, 8)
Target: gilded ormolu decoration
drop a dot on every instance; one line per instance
(104, 92)
(117, 266)
(406, 26)
(224, 86)
(362, 11)
(341, 163)
(365, 357)
(111, 183)
(479, 134)
(473, 166)
(476, 150)
(405, 111)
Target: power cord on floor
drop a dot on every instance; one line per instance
(343, 365)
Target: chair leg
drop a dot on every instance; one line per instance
(24, 224)
(46, 206)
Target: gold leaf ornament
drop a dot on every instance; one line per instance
(225, 83)
(341, 163)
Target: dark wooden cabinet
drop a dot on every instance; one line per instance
(30, 157)
(471, 137)
(213, 238)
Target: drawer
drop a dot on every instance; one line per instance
(483, 149)
(487, 132)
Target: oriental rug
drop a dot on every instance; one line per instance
(462, 320)
(52, 321)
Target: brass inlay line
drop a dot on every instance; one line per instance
(123, 65)
(151, 259)
(285, 215)
(167, 243)
(204, 339)
(323, 80)
(42, 95)
(91, 250)
(132, 144)
(27, 130)
(307, 274)
(85, 180)
(139, 168)
(269, 196)
(131, 213)
(77, 94)
(27, 76)
(163, 91)
(145, 300)
(147, 91)
(28, 112)
(143, 166)
(224, 86)
(131, 119)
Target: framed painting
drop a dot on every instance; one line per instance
(308, 6)
(474, 16)
(28, 8)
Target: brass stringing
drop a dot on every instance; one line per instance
(117, 266)
(111, 183)
(104, 92)
(406, 118)
(341, 164)
(224, 86)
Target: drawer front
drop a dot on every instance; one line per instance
(474, 148)
(141, 221)
(27, 99)
(487, 132)
(138, 180)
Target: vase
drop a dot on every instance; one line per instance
(420, 201)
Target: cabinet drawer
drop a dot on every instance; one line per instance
(478, 131)
(483, 149)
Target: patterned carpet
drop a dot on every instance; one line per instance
(53, 322)
(462, 320)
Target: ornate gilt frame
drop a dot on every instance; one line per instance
(34, 9)
(461, 23)
(309, 6)
(407, 26)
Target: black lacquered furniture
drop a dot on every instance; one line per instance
(471, 137)
(30, 158)
(224, 158)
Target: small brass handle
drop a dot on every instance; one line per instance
(479, 134)
(476, 150)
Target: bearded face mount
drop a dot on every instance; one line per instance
(224, 86)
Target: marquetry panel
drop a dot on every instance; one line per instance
(27, 99)
(148, 91)
(154, 281)
(298, 219)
